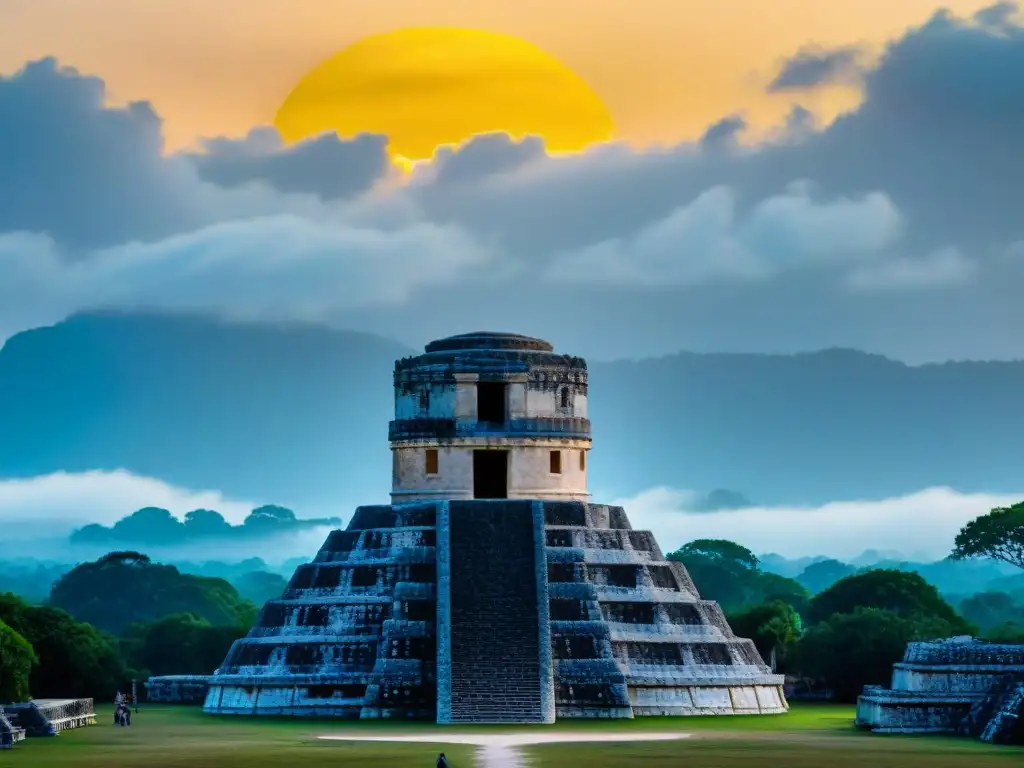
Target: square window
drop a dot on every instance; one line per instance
(556, 462)
(431, 461)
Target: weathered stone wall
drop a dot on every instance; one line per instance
(494, 652)
(353, 633)
(529, 469)
(178, 689)
(630, 635)
(959, 685)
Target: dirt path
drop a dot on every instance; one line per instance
(500, 750)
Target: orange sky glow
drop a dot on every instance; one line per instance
(664, 68)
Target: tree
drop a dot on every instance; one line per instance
(125, 588)
(75, 659)
(206, 522)
(903, 593)
(773, 626)
(989, 610)
(260, 586)
(720, 550)
(850, 650)
(823, 574)
(16, 662)
(181, 644)
(999, 535)
(729, 573)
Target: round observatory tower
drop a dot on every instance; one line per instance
(490, 416)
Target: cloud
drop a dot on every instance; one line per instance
(705, 242)
(724, 133)
(840, 529)
(998, 15)
(326, 165)
(941, 269)
(63, 501)
(274, 268)
(814, 66)
(37, 514)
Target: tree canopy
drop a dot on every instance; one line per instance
(998, 535)
(16, 662)
(125, 588)
(75, 659)
(850, 650)
(181, 644)
(904, 593)
(729, 573)
(772, 626)
(821, 575)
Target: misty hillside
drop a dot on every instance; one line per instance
(298, 415)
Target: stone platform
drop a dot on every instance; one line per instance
(10, 734)
(960, 685)
(48, 717)
(491, 611)
(178, 689)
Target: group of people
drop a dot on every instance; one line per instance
(122, 710)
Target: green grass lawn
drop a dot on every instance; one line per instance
(810, 736)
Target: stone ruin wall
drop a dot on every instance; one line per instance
(959, 685)
(354, 633)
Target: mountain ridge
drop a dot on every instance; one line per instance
(297, 414)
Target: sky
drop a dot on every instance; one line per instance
(893, 228)
(784, 176)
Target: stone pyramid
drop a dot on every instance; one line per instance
(491, 590)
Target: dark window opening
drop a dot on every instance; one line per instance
(662, 576)
(558, 538)
(574, 647)
(683, 613)
(490, 402)
(556, 462)
(431, 461)
(327, 577)
(314, 616)
(583, 461)
(567, 610)
(614, 575)
(424, 399)
(420, 610)
(628, 613)
(490, 474)
(364, 576)
(561, 573)
(712, 653)
(564, 397)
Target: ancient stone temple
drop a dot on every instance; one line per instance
(961, 685)
(490, 589)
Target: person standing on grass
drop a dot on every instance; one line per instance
(442, 761)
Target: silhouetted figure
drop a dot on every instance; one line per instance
(442, 761)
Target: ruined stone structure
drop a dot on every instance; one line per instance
(960, 685)
(178, 689)
(48, 717)
(490, 589)
(10, 734)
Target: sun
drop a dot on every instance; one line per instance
(430, 86)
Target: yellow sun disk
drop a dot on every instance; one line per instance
(431, 86)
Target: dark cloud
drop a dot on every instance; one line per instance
(813, 67)
(81, 172)
(725, 132)
(486, 155)
(326, 165)
(998, 15)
